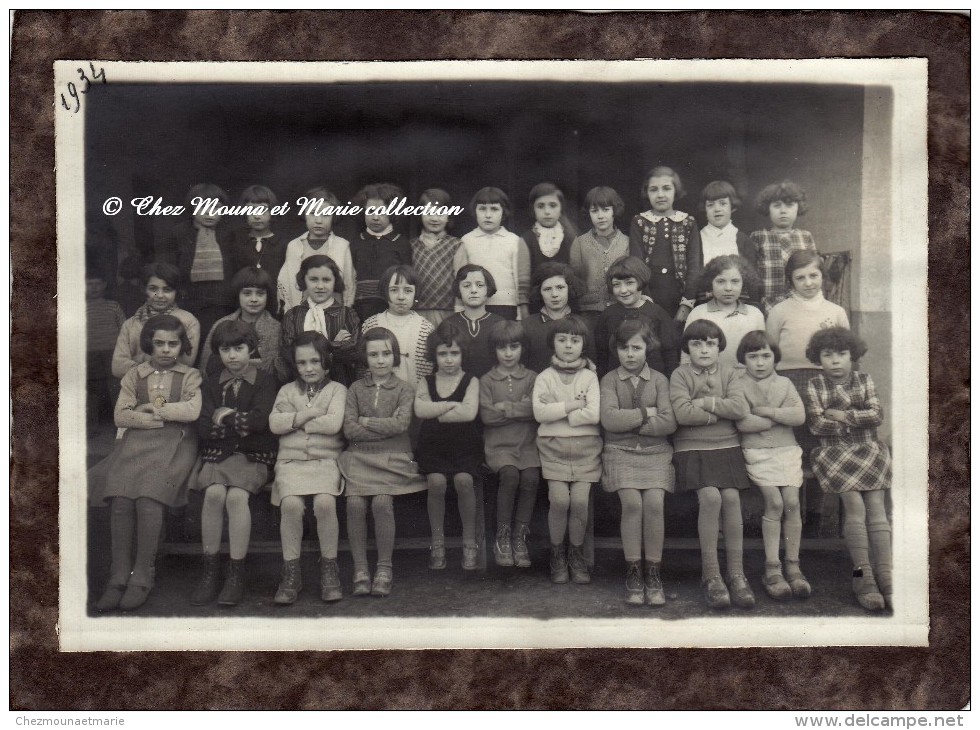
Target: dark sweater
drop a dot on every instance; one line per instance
(663, 359)
(247, 430)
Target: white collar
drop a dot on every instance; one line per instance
(677, 216)
(713, 232)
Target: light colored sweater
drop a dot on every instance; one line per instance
(775, 392)
(505, 256)
(321, 438)
(548, 400)
(794, 321)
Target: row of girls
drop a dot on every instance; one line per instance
(534, 384)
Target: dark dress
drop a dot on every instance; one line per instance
(449, 448)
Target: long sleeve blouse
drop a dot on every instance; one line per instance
(711, 426)
(776, 392)
(505, 256)
(298, 249)
(636, 416)
(378, 415)
(548, 401)
(319, 438)
(186, 410)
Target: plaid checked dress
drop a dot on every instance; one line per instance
(850, 457)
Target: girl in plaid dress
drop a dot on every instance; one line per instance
(843, 410)
(432, 257)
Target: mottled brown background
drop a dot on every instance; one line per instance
(851, 678)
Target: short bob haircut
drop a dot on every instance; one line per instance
(604, 197)
(750, 276)
(571, 325)
(551, 269)
(169, 273)
(164, 323)
(628, 267)
(506, 333)
(801, 259)
(468, 269)
(380, 334)
(315, 261)
(205, 191)
(703, 329)
(755, 341)
(447, 333)
(234, 332)
(252, 277)
(662, 171)
(718, 189)
(393, 274)
(318, 342)
(492, 196)
(630, 328)
(385, 192)
(837, 339)
(259, 195)
(320, 192)
(787, 191)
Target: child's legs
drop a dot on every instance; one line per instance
(327, 529)
(527, 494)
(437, 507)
(731, 514)
(792, 523)
(880, 538)
(239, 522)
(213, 518)
(653, 524)
(357, 531)
(631, 523)
(559, 500)
(508, 479)
(772, 517)
(149, 522)
(466, 496)
(855, 528)
(578, 517)
(709, 508)
(291, 511)
(122, 527)
(383, 509)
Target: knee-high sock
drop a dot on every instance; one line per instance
(653, 524)
(631, 523)
(528, 494)
(122, 528)
(383, 509)
(291, 526)
(770, 538)
(437, 507)
(578, 515)
(327, 529)
(466, 497)
(507, 480)
(559, 500)
(213, 518)
(239, 523)
(731, 514)
(149, 522)
(709, 508)
(357, 531)
(880, 537)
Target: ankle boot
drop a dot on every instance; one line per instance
(522, 556)
(634, 584)
(291, 583)
(866, 589)
(503, 551)
(207, 588)
(233, 590)
(653, 586)
(330, 580)
(577, 566)
(559, 565)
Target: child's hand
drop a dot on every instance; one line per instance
(219, 414)
(342, 336)
(835, 415)
(764, 412)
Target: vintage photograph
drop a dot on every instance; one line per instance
(492, 354)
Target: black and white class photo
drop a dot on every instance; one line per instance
(521, 354)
